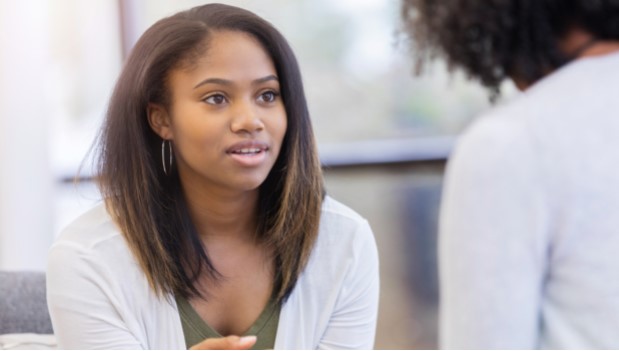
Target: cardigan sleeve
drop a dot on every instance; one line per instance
(353, 322)
(493, 240)
(83, 302)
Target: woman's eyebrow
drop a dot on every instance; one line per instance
(221, 81)
(265, 79)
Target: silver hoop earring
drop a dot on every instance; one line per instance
(163, 158)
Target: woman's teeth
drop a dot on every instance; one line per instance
(247, 151)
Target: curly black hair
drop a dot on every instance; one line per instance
(496, 39)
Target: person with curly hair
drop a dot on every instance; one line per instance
(529, 227)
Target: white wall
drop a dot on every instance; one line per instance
(59, 60)
(26, 181)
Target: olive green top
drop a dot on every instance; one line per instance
(196, 330)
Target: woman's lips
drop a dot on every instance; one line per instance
(248, 153)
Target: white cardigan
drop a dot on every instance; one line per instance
(99, 297)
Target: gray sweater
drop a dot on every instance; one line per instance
(529, 229)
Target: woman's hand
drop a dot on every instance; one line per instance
(231, 342)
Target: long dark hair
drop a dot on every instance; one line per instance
(149, 206)
(496, 39)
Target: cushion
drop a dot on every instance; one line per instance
(23, 304)
(27, 341)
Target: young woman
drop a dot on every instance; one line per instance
(530, 214)
(214, 224)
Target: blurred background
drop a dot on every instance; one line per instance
(384, 134)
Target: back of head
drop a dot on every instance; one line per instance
(497, 39)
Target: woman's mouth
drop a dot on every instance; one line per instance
(248, 153)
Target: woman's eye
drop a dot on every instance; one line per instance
(268, 96)
(216, 99)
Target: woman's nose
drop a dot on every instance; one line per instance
(246, 118)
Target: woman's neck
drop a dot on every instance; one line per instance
(577, 44)
(221, 214)
(580, 44)
(601, 48)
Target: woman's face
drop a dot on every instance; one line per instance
(227, 119)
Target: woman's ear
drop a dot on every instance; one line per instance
(159, 121)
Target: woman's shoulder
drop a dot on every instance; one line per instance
(337, 215)
(336, 209)
(90, 229)
(342, 226)
(92, 237)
